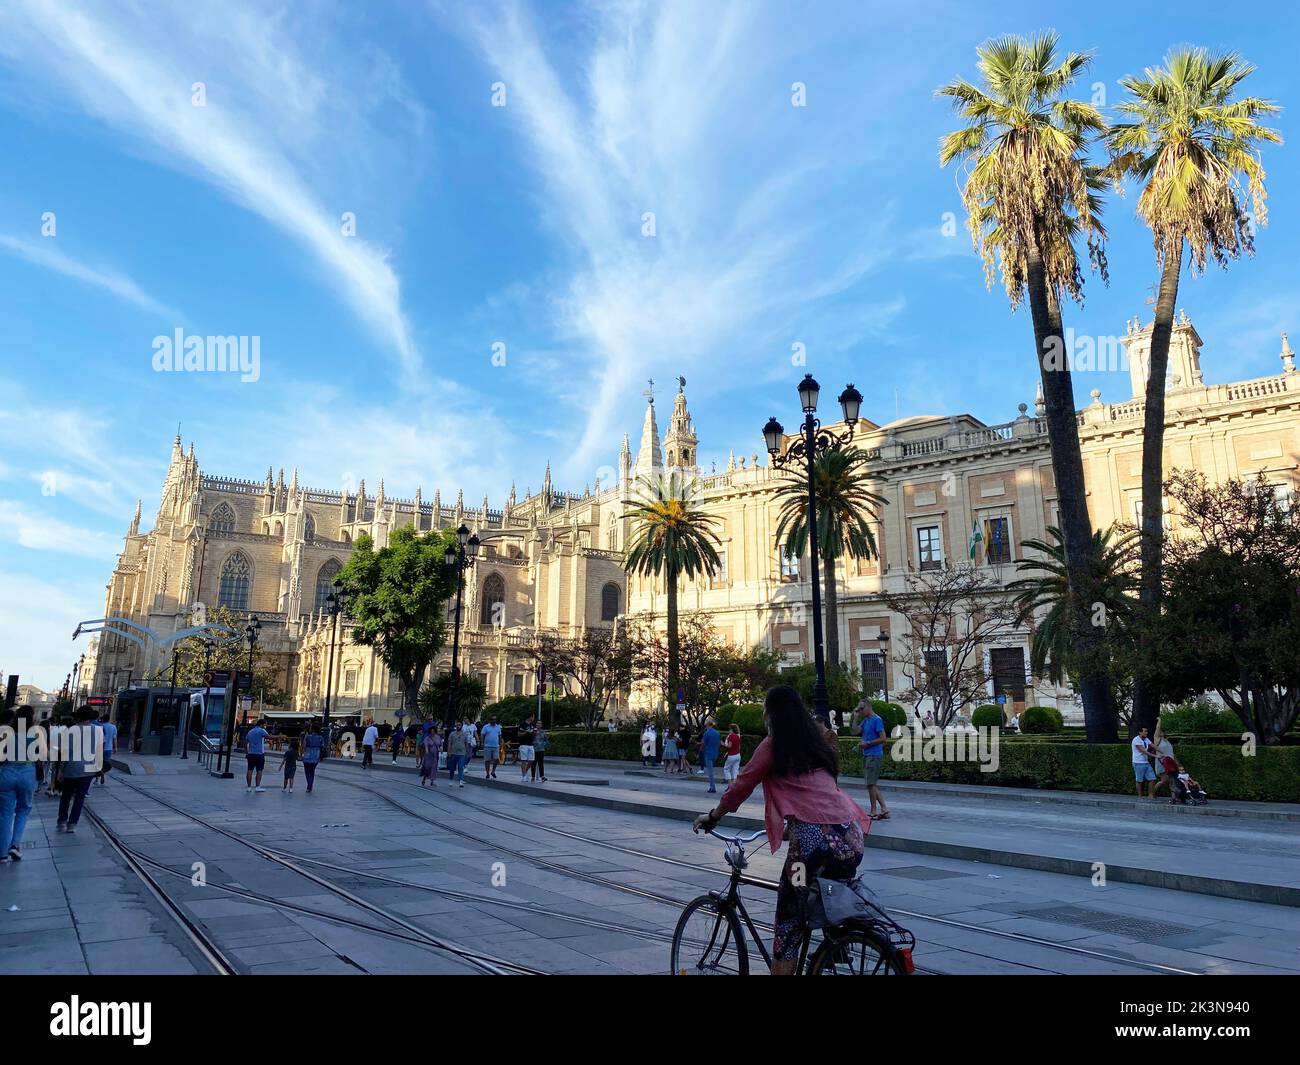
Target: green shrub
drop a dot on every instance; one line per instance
(749, 717)
(1199, 716)
(1041, 719)
(515, 709)
(725, 716)
(987, 716)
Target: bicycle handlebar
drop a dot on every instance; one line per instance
(738, 838)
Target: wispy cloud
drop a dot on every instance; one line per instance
(37, 632)
(28, 527)
(689, 118)
(265, 107)
(43, 253)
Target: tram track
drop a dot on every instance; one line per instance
(1019, 937)
(412, 933)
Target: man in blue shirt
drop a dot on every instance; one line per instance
(491, 734)
(255, 743)
(872, 731)
(710, 745)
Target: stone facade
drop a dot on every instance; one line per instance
(553, 559)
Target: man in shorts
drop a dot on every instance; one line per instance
(491, 734)
(872, 744)
(255, 744)
(1143, 773)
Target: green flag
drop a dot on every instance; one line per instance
(975, 537)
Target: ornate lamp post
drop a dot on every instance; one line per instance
(251, 632)
(460, 556)
(336, 602)
(812, 440)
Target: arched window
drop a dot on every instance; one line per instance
(325, 583)
(609, 601)
(236, 580)
(494, 593)
(223, 518)
(309, 529)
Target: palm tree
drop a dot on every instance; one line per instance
(1187, 143)
(671, 537)
(1029, 194)
(846, 509)
(1108, 595)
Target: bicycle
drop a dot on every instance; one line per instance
(708, 940)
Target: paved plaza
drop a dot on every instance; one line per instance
(588, 873)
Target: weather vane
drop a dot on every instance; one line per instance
(649, 393)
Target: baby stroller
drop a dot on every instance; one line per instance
(1183, 788)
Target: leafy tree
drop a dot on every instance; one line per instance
(471, 695)
(229, 652)
(671, 537)
(1231, 604)
(843, 686)
(595, 666)
(1046, 600)
(397, 600)
(846, 511)
(1186, 143)
(1030, 192)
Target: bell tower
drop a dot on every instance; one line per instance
(681, 450)
(1184, 355)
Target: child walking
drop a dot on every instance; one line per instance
(290, 764)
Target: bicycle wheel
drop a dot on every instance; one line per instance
(707, 941)
(856, 953)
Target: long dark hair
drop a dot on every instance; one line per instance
(798, 744)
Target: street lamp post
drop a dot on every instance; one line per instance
(335, 601)
(812, 440)
(460, 556)
(884, 665)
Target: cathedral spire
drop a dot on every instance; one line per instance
(134, 530)
(1288, 356)
(680, 443)
(650, 457)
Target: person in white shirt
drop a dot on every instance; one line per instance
(368, 743)
(1142, 771)
(470, 728)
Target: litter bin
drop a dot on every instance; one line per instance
(166, 740)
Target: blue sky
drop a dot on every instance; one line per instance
(519, 225)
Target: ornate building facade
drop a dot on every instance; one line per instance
(552, 561)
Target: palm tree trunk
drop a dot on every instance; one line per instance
(832, 612)
(1146, 704)
(673, 649)
(1071, 493)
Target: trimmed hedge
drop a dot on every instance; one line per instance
(749, 716)
(987, 716)
(1041, 719)
(1198, 716)
(1271, 775)
(893, 715)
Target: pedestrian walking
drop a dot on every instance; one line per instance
(457, 744)
(255, 753)
(671, 758)
(684, 748)
(540, 743)
(368, 742)
(1143, 752)
(526, 751)
(491, 749)
(313, 745)
(611, 725)
(399, 738)
(648, 745)
(290, 765)
(470, 728)
(1164, 754)
(18, 758)
(731, 764)
(430, 746)
(82, 756)
(871, 730)
(110, 743)
(710, 745)
(801, 803)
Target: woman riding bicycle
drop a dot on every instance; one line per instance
(796, 766)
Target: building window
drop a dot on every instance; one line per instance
(517, 684)
(223, 519)
(487, 684)
(236, 579)
(997, 540)
(873, 671)
(325, 584)
(929, 552)
(719, 578)
(789, 566)
(609, 602)
(492, 608)
(1007, 664)
(1164, 510)
(936, 673)
(350, 679)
